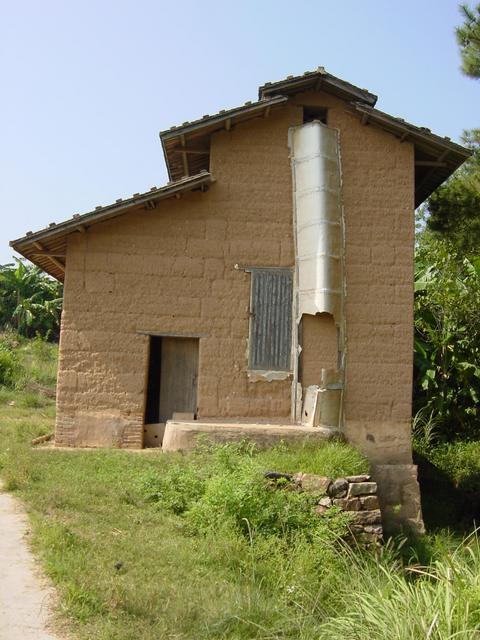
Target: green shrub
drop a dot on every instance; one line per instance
(460, 461)
(9, 366)
(27, 363)
(175, 490)
(447, 339)
(33, 400)
(449, 474)
(38, 359)
(218, 486)
(246, 501)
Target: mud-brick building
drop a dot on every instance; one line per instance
(270, 281)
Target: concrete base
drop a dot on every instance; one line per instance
(399, 496)
(153, 434)
(184, 435)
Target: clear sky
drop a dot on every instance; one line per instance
(87, 85)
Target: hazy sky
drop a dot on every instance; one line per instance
(86, 86)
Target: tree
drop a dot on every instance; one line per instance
(447, 340)
(447, 281)
(30, 301)
(468, 37)
(455, 206)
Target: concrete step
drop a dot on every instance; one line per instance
(184, 435)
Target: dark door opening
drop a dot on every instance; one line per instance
(172, 382)
(152, 409)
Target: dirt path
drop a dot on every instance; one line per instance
(24, 594)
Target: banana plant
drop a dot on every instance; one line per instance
(30, 301)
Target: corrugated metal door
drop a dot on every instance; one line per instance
(270, 319)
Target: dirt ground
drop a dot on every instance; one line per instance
(25, 596)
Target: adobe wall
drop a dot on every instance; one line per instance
(319, 340)
(172, 269)
(378, 200)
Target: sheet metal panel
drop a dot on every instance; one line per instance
(315, 160)
(271, 319)
(319, 251)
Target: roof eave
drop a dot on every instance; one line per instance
(420, 133)
(44, 247)
(446, 155)
(177, 138)
(110, 211)
(221, 117)
(165, 157)
(317, 80)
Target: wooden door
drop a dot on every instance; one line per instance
(178, 377)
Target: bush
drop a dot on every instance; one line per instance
(176, 490)
(447, 339)
(39, 359)
(9, 366)
(224, 486)
(34, 400)
(461, 462)
(29, 364)
(246, 501)
(449, 474)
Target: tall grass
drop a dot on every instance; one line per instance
(199, 547)
(440, 601)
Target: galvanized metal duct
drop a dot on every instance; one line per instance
(319, 240)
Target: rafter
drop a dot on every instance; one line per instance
(52, 259)
(192, 150)
(49, 254)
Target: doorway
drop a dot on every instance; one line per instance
(172, 380)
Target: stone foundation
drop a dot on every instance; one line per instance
(356, 495)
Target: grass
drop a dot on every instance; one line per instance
(449, 470)
(440, 601)
(91, 511)
(198, 546)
